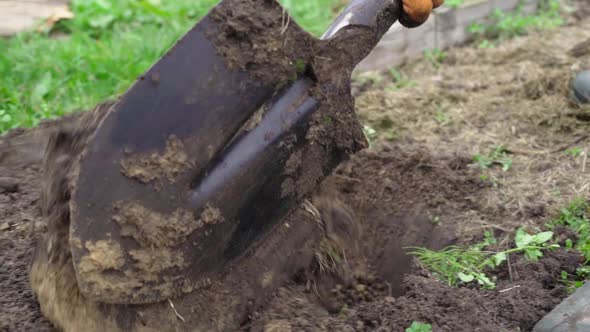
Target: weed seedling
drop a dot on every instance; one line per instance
(573, 282)
(497, 156)
(441, 117)
(469, 264)
(574, 152)
(400, 80)
(508, 25)
(435, 57)
(575, 216)
(419, 327)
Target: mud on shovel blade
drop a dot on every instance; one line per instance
(166, 196)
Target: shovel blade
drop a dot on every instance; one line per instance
(131, 217)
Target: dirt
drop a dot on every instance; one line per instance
(415, 186)
(172, 162)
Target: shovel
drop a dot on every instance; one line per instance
(214, 145)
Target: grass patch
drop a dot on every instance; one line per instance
(498, 156)
(100, 52)
(461, 265)
(471, 264)
(576, 217)
(509, 25)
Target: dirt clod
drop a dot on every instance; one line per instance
(8, 185)
(169, 164)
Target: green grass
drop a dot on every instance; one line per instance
(100, 52)
(419, 327)
(509, 25)
(498, 156)
(456, 265)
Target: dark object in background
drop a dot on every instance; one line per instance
(581, 88)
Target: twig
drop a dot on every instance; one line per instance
(509, 267)
(347, 178)
(323, 58)
(309, 207)
(559, 149)
(508, 289)
(285, 26)
(176, 312)
(565, 147)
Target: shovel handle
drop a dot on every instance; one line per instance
(379, 15)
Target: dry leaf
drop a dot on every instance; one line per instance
(58, 14)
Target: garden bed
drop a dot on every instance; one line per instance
(418, 185)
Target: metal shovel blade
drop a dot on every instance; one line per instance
(175, 185)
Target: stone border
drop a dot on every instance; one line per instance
(446, 27)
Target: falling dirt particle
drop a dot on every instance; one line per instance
(148, 168)
(102, 255)
(153, 229)
(211, 216)
(267, 279)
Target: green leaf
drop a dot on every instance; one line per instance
(542, 237)
(506, 164)
(6, 118)
(569, 243)
(564, 275)
(465, 277)
(102, 21)
(522, 238)
(41, 89)
(533, 254)
(499, 258)
(419, 327)
(482, 279)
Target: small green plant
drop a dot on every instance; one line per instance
(486, 43)
(435, 56)
(371, 78)
(576, 217)
(419, 327)
(577, 280)
(454, 3)
(5, 120)
(508, 25)
(498, 156)
(470, 264)
(574, 152)
(400, 80)
(441, 117)
(370, 133)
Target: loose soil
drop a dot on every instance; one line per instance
(415, 186)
